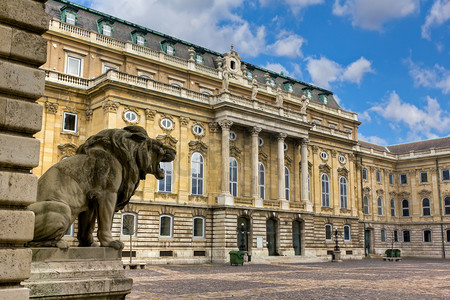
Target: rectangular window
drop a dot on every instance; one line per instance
(423, 177)
(391, 178)
(107, 30)
(379, 176)
(448, 235)
(70, 18)
(383, 235)
(73, 66)
(445, 174)
(328, 232)
(140, 40)
(347, 233)
(70, 121)
(364, 174)
(403, 179)
(165, 226)
(392, 208)
(170, 50)
(427, 236)
(165, 185)
(406, 236)
(199, 227)
(395, 235)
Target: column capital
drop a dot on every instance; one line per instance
(255, 130)
(225, 124)
(110, 106)
(281, 136)
(304, 142)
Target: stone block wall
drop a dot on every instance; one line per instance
(22, 51)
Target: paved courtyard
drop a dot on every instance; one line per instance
(365, 279)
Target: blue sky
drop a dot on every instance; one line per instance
(387, 60)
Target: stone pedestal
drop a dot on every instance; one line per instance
(225, 199)
(336, 256)
(77, 273)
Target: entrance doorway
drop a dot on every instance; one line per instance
(297, 237)
(242, 237)
(367, 237)
(271, 232)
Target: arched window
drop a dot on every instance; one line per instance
(199, 227)
(165, 226)
(261, 180)
(197, 174)
(380, 206)
(393, 208)
(328, 232)
(165, 184)
(286, 183)
(129, 221)
(405, 208)
(343, 192)
(426, 209)
(325, 190)
(447, 205)
(233, 177)
(347, 236)
(427, 236)
(366, 204)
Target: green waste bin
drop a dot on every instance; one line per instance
(237, 258)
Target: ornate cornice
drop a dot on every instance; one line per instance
(262, 156)
(255, 130)
(167, 140)
(197, 146)
(235, 152)
(324, 168)
(225, 124)
(425, 193)
(343, 172)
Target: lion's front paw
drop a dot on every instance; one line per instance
(62, 244)
(118, 245)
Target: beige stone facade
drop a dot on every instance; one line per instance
(208, 110)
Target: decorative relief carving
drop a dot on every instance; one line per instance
(343, 172)
(262, 156)
(52, 108)
(392, 193)
(89, 112)
(255, 130)
(225, 124)
(184, 121)
(235, 152)
(425, 193)
(150, 114)
(403, 194)
(197, 146)
(288, 161)
(380, 192)
(68, 149)
(310, 166)
(366, 190)
(324, 168)
(167, 140)
(198, 134)
(281, 136)
(333, 153)
(213, 127)
(110, 106)
(315, 149)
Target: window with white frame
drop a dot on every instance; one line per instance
(70, 122)
(403, 179)
(325, 184)
(71, 18)
(446, 174)
(323, 155)
(233, 177)
(366, 204)
(128, 224)
(393, 213)
(286, 183)
(391, 178)
(108, 67)
(165, 184)
(166, 123)
(170, 49)
(405, 208)
(364, 174)
(341, 159)
(233, 136)
(423, 177)
(165, 226)
(199, 59)
(260, 142)
(197, 174)
(380, 206)
(307, 93)
(261, 180)
(107, 29)
(69, 231)
(131, 116)
(140, 40)
(427, 236)
(383, 235)
(73, 65)
(198, 130)
(328, 232)
(347, 236)
(343, 192)
(447, 205)
(378, 176)
(406, 236)
(199, 227)
(426, 208)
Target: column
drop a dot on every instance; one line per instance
(255, 153)
(304, 174)
(225, 197)
(281, 180)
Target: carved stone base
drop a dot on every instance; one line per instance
(77, 273)
(225, 199)
(336, 256)
(308, 205)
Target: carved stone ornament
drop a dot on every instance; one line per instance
(343, 172)
(184, 121)
(197, 146)
(235, 152)
(110, 106)
(403, 194)
(324, 168)
(424, 193)
(89, 113)
(304, 104)
(310, 166)
(380, 192)
(226, 124)
(150, 114)
(133, 109)
(167, 140)
(52, 108)
(195, 126)
(392, 193)
(288, 161)
(214, 127)
(281, 136)
(255, 130)
(262, 156)
(166, 130)
(333, 153)
(67, 149)
(315, 149)
(366, 190)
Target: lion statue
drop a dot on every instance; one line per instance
(94, 183)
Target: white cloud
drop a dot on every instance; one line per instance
(438, 15)
(297, 5)
(364, 117)
(323, 71)
(436, 77)
(421, 122)
(372, 14)
(372, 139)
(278, 68)
(288, 44)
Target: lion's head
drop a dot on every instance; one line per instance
(136, 151)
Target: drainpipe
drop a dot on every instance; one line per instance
(440, 207)
(212, 234)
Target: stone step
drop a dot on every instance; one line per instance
(288, 259)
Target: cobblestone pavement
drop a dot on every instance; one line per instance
(362, 279)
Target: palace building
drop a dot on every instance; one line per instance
(265, 163)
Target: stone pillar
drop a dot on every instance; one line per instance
(255, 157)
(22, 51)
(281, 179)
(225, 197)
(304, 175)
